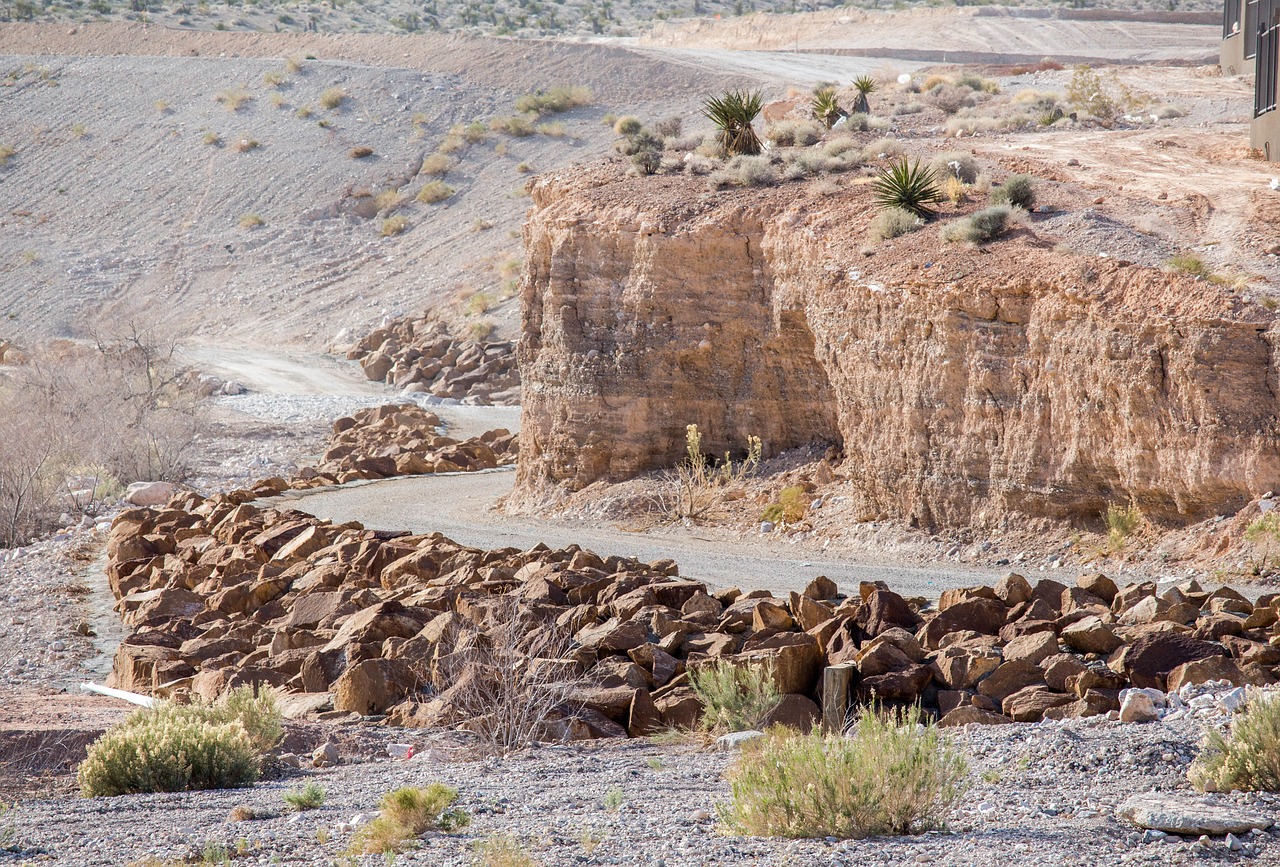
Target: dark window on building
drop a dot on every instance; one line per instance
(1268, 63)
(1230, 18)
(1250, 27)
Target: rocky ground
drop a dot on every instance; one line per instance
(1044, 794)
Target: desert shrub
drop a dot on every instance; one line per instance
(1088, 92)
(303, 112)
(955, 164)
(250, 221)
(292, 65)
(691, 487)
(503, 850)
(517, 125)
(647, 161)
(246, 144)
(882, 148)
(892, 775)
(954, 190)
(893, 223)
(950, 98)
(670, 127)
(437, 164)
(1249, 758)
(435, 191)
(388, 200)
(169, 749)
(212, 139)
(627, 126)
(274, 78)
(394, 225)
(732, 113)
(825, 106)
(255, 710)
(980, 226)
(6, 153)
(332, 98)
(1169, 112)
(554, 100)
(359, 152)
(977, 83)
(746, 171)
(1121, 523)
(1018, 191)
(908, 186)
(555, 129)
(407, 813)
(789, 508)
(234, 99)
(791, 133)
(734, 697)
(309, 797)
(1265, 534)
(864, 86)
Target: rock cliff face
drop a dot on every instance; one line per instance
(962, 384)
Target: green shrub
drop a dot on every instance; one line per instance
(891, 776)
(1121, 523)
(909, 186)
(893, 223)
(407, 813)
(169, 749)
(1249, 758)
(790, 507)
(627, 126)
(309, 797)
(1018, 190)
(1191, 265)
(435, 191)
(554, 100)
(825, 106)
(980, 226)
(732, 113)
(734, 697)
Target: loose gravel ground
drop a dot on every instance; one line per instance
(1042, 794)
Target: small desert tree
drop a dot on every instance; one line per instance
(732, 113)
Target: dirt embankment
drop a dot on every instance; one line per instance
(962, 384)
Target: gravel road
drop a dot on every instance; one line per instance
(459, 506)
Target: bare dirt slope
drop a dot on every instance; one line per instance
(964, 35)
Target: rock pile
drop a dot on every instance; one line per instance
(419, 355)
(221, 593)
(399, 440)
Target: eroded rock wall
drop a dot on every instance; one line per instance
(964, 385)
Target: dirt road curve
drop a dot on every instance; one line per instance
(459, 506)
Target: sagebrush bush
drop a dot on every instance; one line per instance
(1249, 758)
(734, 697)
(670, 127)
(746, 171)
(627, 126)
(792, 133)
(790, 506)
(437, 164)
(169, 749)
(891, 775)
(516, 125)
(503, 850)
(1018, 190)
(980, 226)
(394, 225)
(893, 223)
(955, 164)
(309, 797)
(333, 98)
(256, 710)
(407, 813)
(1121, 523)
(882, 148)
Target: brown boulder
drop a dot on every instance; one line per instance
(1035, 647)
(960, 667)
(1090, 635)
(1010, 677)
(1059, 667)
(613, 635)
(1098, 585)
(643, 716)
(680, 708)
(966, 714)
(1203, 670)
(1029, 704)
(984, 616)
(372, 686)
(1148, 661)
(884, 609)
(794, 711)
(1013, 589)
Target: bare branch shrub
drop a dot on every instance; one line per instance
(690, 491)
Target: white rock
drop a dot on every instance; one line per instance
(1137, 707)
(734, 740)
(150, 493)
(1186, 815)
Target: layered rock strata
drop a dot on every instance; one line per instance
(963, 384)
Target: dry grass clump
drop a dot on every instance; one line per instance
(891, 775)
(437, 164)
(332, 98)
(359, 152)
(435, 191)
(212, 138)
(893, 222)
(628, 126)
(554, 129)
(7, 153)
(235, 98)
(746, 171)
(503, 850)
(734, 697)
(250, 221)
(246, 144)
(176, 748)
(516, 125)
(555, 100)
(394, 225)
(882, 149)
(1248, 759)
(274, 78)
(408, 813)
(303, 112)
(981, 226)
(795, 133)
(1121, 523)
(388, 200)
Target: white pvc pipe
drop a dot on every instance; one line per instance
(132, 697)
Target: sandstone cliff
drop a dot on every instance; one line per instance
(963, 385)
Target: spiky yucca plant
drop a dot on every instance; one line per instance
(910, 186)
(732, 112)
(865, 85)
(826, 106)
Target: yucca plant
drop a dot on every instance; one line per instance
(865, 85)
(826, 107)
(910, 186)
(732, 112)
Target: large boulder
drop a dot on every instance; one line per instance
(372, 686)
(1149, 660)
